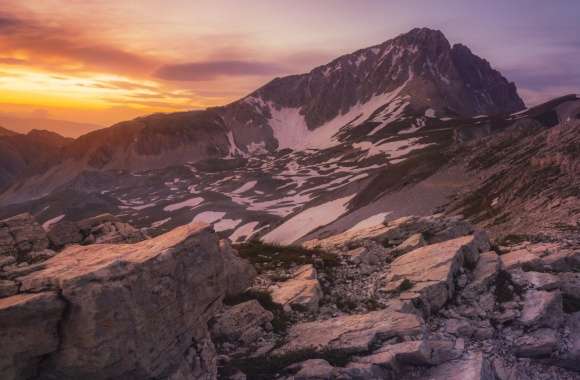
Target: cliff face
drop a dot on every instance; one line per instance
(126, 311)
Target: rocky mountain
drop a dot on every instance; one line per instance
(23, 154)
(418, 73)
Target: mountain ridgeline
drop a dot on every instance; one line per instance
(412, 126)
(420, 65)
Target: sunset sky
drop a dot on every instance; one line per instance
(103, 61)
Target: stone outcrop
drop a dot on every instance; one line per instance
(21, 235)
(125, 311)
(29, 331)
(429, 272)
(350, 334)
(241, 326)
(301, 292)
(100, 229)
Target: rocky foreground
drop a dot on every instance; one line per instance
(415, 298)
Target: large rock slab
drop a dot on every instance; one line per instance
(301, 292)
(539, 343)
(473, 366)
(350, 334)
(429, 271)
(138, 310)
(28, 332)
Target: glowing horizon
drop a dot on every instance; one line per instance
(100, 62)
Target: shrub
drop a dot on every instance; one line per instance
(272, 256)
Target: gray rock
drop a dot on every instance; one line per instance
(521, 259)
(542, 281)
(351, 333)
(301, 292)
(542, 309)
(20, 235)
(394, 356)
(539, 343)
(312, 369)
(474, 366)
(137, 309)
(29, 332)
(65, 233)
(459, 327)
(570, 357)
(431, 269)
(245, 322)
(485, 272)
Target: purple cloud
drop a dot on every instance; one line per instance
(202, 71)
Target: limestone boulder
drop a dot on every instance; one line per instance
(20, 235)
(394, 357)
(539, 343)
(28, 332)
(430, 271)
(135, 310)
(522, 259)
(65, 233)
(244, 323)
(350, 334)
(301, 292)
(474, 366)
(542, 309)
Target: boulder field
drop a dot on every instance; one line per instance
(415, 298)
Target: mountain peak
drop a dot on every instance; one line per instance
(423, 36)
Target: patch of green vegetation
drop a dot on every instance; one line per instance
(405, 285)
(271, 256)
(280, 322)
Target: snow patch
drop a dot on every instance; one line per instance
(208, 217)
(306, 221)
(370, 222)
(192, 202)
(226, 224)
(49, 223)
(245, 232)
(245, 187)
(159, 223)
